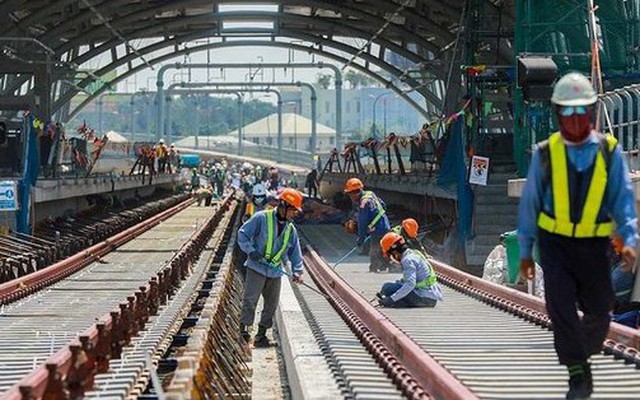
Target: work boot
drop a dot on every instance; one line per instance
(245, 333)
(261, 339)
(580, 382)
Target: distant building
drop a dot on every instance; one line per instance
(296, 132)
(391, 111)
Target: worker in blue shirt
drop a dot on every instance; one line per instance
(267, 238)
(418, 286)
(577, 186)
(372, 221)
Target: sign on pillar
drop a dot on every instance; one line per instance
(8, 196)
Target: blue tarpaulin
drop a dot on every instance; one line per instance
(453, 177)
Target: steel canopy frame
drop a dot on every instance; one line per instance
(219, 45)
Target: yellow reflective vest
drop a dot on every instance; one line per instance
(560, 223)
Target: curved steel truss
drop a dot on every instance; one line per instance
(407, 45)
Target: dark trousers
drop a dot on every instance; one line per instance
(256, 285)
(576, 273)
(409, 301)
(312, 191)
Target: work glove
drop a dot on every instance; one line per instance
(386, 301)
(255, 256)
(527, 268)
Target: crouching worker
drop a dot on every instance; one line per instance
(268, 238)
(418, 286)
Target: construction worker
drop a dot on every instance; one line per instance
(161, 152)
(408, 229)
(268, 238)
(372, 221)
(258, 201)
(577, 186)
(418, 286)
(195, 180)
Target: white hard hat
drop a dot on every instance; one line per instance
(161, 141)
(574, 89)
(258, 190)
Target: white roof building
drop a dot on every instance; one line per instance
(296, 132)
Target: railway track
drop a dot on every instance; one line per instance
(113, 307)
(57, 239)
(483, 341)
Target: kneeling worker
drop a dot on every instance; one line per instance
(267, 238)
(418, 286)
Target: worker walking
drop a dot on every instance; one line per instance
(418, 286)
(372, 221)
(577, 186)
(408, 229)
(257, 201)
(268, 238)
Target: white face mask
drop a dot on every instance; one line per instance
(259, 200)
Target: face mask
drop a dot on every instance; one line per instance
(575, 123)
(259, 200)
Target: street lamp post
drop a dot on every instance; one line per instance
(375, 104)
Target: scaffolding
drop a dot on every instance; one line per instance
(560, 29)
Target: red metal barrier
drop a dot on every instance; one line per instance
(433, 377)
(71, 371)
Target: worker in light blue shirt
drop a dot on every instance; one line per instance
(419, 284)
(578, 185)
(268, 238)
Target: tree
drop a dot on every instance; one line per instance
(323, 80)
(357, 79)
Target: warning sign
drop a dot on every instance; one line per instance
(8, 196)
(479, 170)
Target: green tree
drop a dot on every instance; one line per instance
(323, 80)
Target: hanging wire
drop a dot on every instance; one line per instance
(378, 33)
(116, 32)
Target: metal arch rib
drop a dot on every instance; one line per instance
(257, 43)
(158, 29)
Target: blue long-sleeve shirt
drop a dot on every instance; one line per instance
(414, 270)
(367, 211)
(252, 236)
(618, 201)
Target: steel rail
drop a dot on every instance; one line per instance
(621, 340)
(401, 355)
(71, 371)
(21, 287)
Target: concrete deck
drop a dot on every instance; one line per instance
(65, 188)
(307, 370)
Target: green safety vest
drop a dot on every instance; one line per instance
(560, 223)
(428, 281)
(276, 259)
(368, 195)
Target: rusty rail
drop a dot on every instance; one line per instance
(212, 362)
(622, 341)
(71, 371)
(416, 373)
(55, 240)
(21, 287)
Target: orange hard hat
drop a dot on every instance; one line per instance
(351, 226)
(291, 197)
(410, 226)
(353, 185)
(389, 241)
